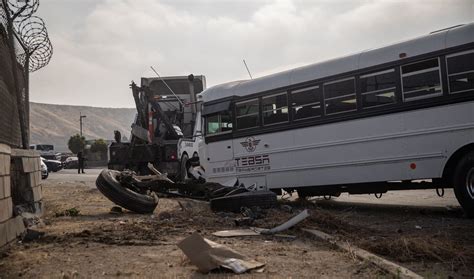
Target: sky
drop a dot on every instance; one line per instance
(100, 46)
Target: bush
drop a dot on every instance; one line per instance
(99, 145)
(76, 143)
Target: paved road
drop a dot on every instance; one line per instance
(422, 198)
(71, 175)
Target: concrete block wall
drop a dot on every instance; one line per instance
(26, 180)
(10, 226)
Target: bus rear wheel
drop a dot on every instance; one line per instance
(463, 181)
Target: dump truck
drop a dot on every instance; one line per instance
(166, 117)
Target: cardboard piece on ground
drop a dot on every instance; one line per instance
(259, 231)
(208, 255)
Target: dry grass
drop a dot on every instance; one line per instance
(420, 248)
(415, 246)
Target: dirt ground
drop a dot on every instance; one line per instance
(434, 241)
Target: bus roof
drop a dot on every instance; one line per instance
(434, 41)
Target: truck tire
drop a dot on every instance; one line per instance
(263, 199)
(110, 187)
(463, 182)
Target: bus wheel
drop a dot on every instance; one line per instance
(183, 175)
(464, 183)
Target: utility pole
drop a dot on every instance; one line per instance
(80, 120)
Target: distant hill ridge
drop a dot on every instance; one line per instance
(54, 124)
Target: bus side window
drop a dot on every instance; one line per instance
(212, 124)
(275, 109)
(219, 123)
(421, 80)
(306, 103)
(461, 71)
(378, 89)
(247, 114)
(226, 122)
(340, 96)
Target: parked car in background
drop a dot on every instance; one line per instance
(71, 163)
(46, 151)
(53, 165)
(44, 170)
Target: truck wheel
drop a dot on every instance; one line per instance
(263, 199)
(110, 187)
(463, 182)
(183, 170)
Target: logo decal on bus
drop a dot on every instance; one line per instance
(250, 144)
(252, 163)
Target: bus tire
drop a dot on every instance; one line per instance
(110, 187)
(183, 169)
(463, 182)
(233, 203)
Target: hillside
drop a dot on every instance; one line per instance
(54, 124)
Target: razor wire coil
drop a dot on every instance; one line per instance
(35, 49)
(22, 8)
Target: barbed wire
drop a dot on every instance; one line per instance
(33, 46)
(35, 41)
(22, 8)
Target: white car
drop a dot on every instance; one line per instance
(44, 170)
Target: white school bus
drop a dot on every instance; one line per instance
(375, 121)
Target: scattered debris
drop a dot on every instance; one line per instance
(287, 208)
(116, 210)
(73, 212)
(32, 220)
(259, 231)
(183, 208)
(288, 224)
(165, 215)
(254, 212)
(249, 216)
(31, 235)
(208, 255)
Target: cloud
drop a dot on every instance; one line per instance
(98, 52)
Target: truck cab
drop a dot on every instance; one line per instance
(166, 115)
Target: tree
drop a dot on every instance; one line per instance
(76, 143)
(99, 145)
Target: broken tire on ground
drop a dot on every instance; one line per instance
(109, 186)
(263, 199)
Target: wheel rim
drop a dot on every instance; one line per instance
(470, 183)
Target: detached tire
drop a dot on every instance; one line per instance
(110, 187)
(263, 199)
(463, 182)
